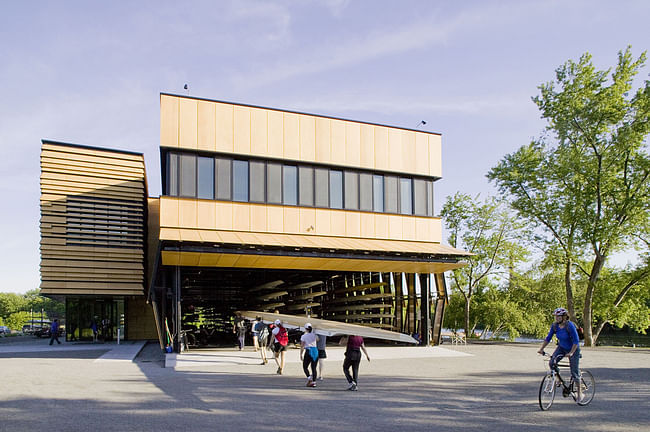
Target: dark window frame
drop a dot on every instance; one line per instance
(174, 158)
(232, 180)
(313, 185)
(250, 182)
(284, 167)
(198, 182)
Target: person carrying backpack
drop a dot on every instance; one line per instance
(280, 342)
(568, 344)
(239, 328)
(263, 334)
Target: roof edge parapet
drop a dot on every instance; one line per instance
(298, 112)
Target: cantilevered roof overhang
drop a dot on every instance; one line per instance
(215, 248)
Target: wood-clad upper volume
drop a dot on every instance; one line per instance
(193, 124)
(93, 219)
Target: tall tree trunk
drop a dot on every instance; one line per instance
(597, 330)
(467, 301)
(569, 290)
(599, 261)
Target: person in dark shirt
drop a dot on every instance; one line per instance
(239, 328)
(354, 346)
(54, 332)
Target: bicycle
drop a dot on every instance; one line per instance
(187, 340)
(553, 380)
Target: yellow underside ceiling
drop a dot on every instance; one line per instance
(206, 259)
(300, 241)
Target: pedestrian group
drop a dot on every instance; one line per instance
(312, 349)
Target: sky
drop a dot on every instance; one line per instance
(91, 73)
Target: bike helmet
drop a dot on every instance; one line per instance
(560, 311)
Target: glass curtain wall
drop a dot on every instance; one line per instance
(106, 315)
(274, 182)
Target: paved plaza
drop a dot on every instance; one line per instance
(484, 387)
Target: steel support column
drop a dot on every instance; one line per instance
(425, 308)
(441, 301)
(177, 309)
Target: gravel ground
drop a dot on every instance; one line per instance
(495, 388)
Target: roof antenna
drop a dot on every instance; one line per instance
(422, 123)
(186, 87)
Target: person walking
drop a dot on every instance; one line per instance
(354, 346)
(280, 342)
(308, 344)
(239, 328)
(93, 327)
(263, 335)
(54, 332)
(321, 342)
(255, 333)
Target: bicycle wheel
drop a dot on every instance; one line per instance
(547, 392)
(588, 385)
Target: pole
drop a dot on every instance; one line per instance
(178, 317)
(425, 308)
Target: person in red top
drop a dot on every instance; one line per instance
(354, 346)
(280, 342)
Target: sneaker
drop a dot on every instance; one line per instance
(320, 378)
(353, 386)
(311, 384)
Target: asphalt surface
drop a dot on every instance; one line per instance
(494, 388)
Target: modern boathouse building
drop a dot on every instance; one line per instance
(261, 209)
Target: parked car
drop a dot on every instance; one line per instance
(5, 330)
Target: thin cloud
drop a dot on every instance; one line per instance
(347, 103)
(431, 30)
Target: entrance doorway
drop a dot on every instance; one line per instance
(107, 313)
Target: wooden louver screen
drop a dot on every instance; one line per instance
(92, 221)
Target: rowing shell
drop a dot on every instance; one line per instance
(330, 328)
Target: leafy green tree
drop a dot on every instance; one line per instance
(454, 318)
(17, 320)
(11, 303)
(623, 298)
(51, 308)
(488, 231)
(499, 314)
(585, 182)
(534, 293)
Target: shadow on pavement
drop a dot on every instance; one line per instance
(58, 354)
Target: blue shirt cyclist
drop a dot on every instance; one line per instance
(568, 344)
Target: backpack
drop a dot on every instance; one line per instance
(282, 337)
(263, 334)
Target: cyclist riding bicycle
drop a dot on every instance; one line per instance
(568, 344)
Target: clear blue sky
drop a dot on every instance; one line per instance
(91, 72)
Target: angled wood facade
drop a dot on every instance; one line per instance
(93, 221)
